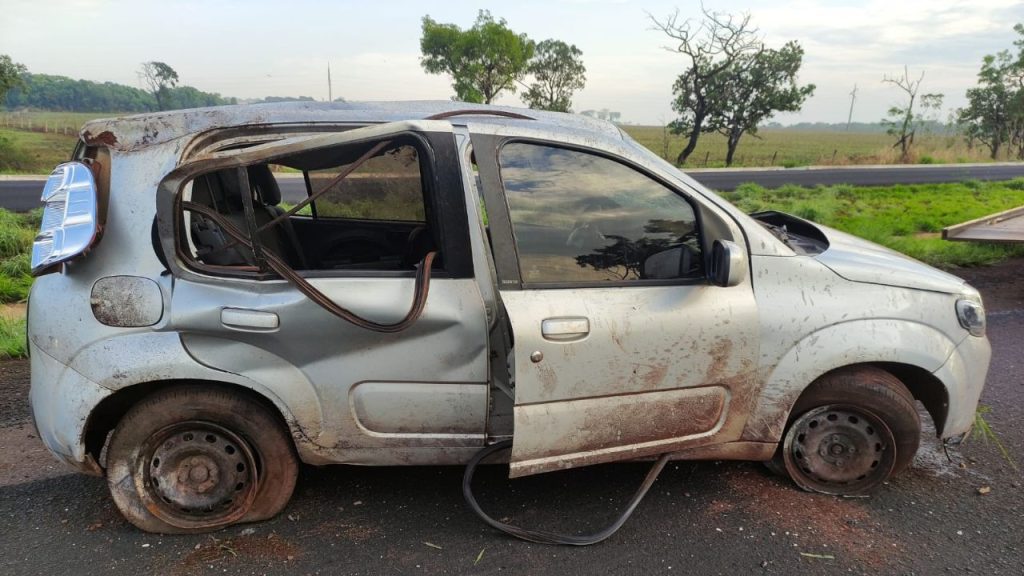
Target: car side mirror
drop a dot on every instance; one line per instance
(728, 264)
(668, 264)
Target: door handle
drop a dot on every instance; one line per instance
(565, 329)
(249, 320)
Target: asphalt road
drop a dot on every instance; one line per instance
(699, 518)
(21, 195)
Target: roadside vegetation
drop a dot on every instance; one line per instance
(906, 218)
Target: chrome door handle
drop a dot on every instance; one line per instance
(250, 320)
(565, 329)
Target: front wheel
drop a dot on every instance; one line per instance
(850, 431)
(193, 459)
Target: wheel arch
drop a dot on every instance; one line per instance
(910, 351)
(107, 414)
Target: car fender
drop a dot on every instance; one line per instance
(141, 358)
(844, 344)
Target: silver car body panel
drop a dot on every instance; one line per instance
(702, 370)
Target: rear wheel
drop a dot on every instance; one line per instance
(849, 432)
(191, 459)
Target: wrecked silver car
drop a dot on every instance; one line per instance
(441, 277)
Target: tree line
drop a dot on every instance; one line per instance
(730, 82)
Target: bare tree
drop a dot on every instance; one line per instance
(711, 45)
(159, 78)
(902, 121)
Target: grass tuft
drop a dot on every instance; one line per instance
(12, 337)
(987, 434)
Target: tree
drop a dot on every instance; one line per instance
(754, 87)
(994, 114)
(11, 75)
(902, 121)
(558, 71)
(711, 46)
(483, 61)
(159, 78)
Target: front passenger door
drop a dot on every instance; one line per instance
(622, 349)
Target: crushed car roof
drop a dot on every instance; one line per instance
(140, 131)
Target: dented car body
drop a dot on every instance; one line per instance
(583, 298)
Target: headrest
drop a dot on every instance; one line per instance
(263, 182)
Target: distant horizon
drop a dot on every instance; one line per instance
(252, 48)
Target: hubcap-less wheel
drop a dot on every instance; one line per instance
(196, 474)
(839, 450)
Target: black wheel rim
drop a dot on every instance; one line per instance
(196, 475)
(838, 449)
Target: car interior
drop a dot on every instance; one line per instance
(374, 219)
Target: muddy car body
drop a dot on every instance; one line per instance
(585, 299)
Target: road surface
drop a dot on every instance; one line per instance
(699, 518)
(20, 194)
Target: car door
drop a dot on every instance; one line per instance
(622, 348)
(362, 396)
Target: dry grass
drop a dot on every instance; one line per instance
(791, 148)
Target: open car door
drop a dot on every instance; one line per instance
(622, 347)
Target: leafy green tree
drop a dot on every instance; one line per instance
(903, 121)
(558, 72)
(752, 89)
(711, 46)
(994, 114)
(158, 78)
(11, 74)
(483, 61)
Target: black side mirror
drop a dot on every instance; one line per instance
(668, 264)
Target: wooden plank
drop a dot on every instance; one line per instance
(1006, 226)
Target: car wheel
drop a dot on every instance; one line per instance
(192, 459)
(850, 431)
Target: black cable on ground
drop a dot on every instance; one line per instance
(542, 536)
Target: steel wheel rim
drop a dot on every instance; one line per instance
(196, 474)
(839, 449)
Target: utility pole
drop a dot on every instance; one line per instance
(330, 92)
(853, 98)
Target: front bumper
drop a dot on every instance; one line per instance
(964, 377)
(62, 400)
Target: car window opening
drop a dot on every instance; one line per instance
(376, 222)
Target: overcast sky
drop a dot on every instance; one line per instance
(256, 48)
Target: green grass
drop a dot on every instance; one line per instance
(984, 430)
(16, 234)
(906, 218)
(24, 152)
(12, 337)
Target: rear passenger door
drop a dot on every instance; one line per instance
(362, 396)
(623, 348)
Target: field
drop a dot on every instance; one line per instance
(791, 148)
(47, 137)
(906, 218)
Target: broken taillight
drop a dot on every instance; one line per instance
(69, 225)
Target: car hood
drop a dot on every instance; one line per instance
(858, 260)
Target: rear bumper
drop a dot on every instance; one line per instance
(964, 376)
(62, 401)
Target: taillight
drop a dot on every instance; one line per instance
(69, 224)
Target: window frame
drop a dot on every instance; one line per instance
(425, 178)
(506, 279)
(438, 159)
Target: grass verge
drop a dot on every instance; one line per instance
(12, 337)
(906, 218)
(16, 234)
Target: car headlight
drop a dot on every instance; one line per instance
(971, 315)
